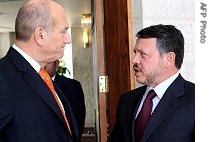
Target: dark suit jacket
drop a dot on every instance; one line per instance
(173, 120)
(28, 111)
(73, 91)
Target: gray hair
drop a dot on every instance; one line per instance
(30, 16)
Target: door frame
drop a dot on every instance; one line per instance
(98, 51)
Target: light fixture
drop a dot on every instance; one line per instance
(85, 38)
(86, 20)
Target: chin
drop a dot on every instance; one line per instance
(140, 79)
(61, 55)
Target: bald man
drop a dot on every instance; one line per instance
(28, 110)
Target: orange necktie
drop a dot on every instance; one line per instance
(47, 79)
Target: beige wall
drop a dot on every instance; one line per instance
(4, 44)
(83, 71)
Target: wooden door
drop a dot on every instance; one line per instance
(118, 48)
(113, 41)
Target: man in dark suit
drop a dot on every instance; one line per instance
(28, 110)
(158, 56)
(73, 91)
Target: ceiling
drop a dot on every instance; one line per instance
(73, 8)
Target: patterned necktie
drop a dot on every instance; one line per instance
(47, 79)
(144, 115)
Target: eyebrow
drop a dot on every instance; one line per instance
(64, 29)
(67, 27)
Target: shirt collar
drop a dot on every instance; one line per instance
(163, 86)
(31, 61)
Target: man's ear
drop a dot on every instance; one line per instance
(39, 35)
(170, 58)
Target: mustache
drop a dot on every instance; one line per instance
(135, 66)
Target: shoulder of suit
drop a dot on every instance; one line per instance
(135, 92)
(67, 79)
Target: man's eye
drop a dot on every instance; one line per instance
(143, 54)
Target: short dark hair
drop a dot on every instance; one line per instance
(169, 39)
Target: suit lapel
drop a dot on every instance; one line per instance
(33, 79)
(167, 105)
(138, 96)
(41, 89)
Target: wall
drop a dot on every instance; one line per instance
(4, 43)
(83, 71)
